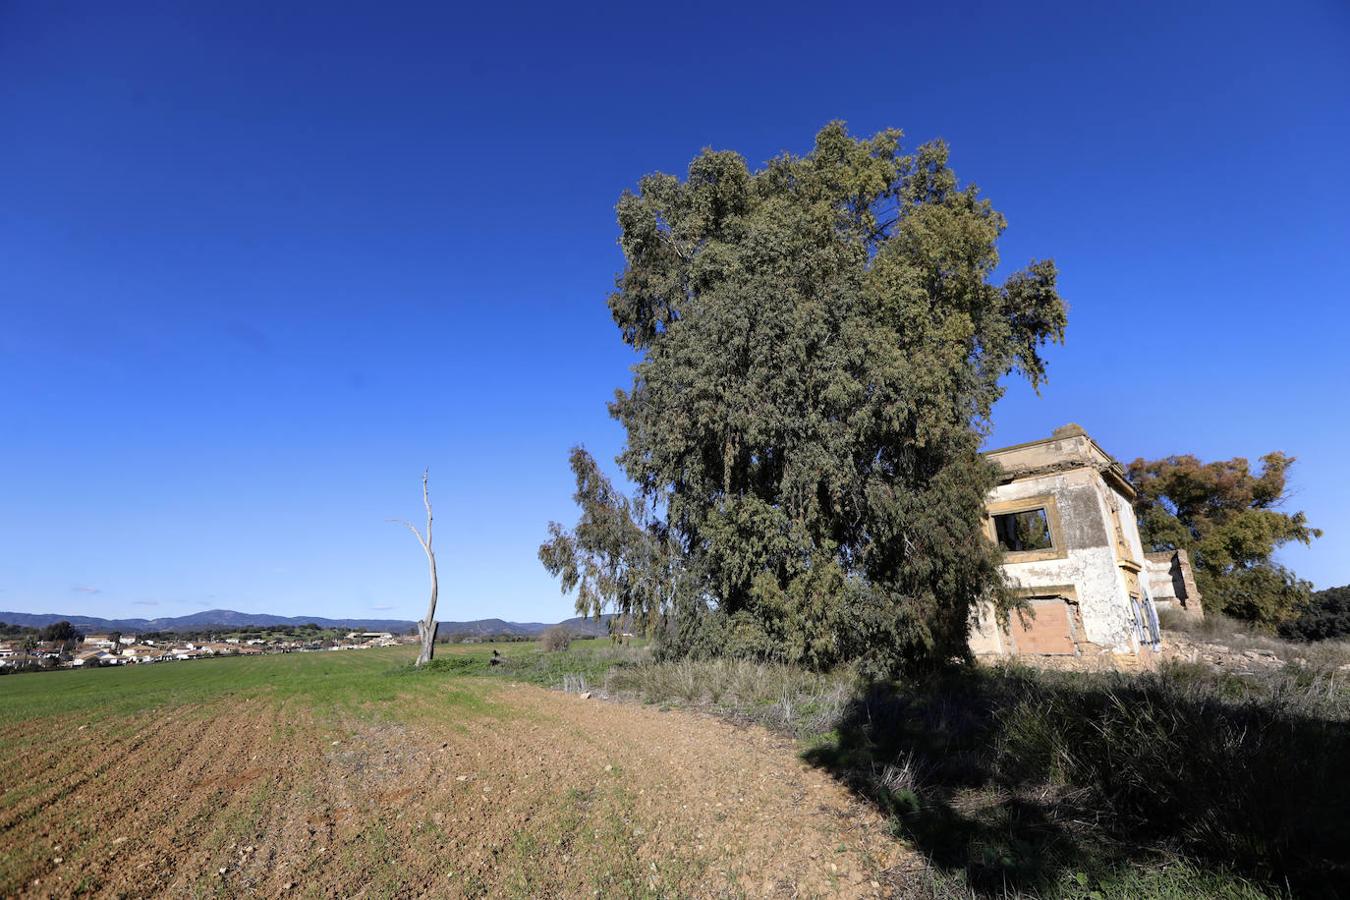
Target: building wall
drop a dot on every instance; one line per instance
(1088, 564)
(1172, 583)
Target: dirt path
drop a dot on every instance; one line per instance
(524, 792)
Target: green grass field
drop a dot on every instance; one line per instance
(325, 679)
(347, 680)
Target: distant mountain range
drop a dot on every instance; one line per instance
(228, 618)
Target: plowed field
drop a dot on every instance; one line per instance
(340, 775)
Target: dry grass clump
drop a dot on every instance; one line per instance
(555, 639)
(780, 697)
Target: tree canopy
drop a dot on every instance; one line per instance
(1229, 520)
(61, 631)
(820, 346)
(1326, 616)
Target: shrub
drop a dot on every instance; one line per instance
(452, 665)
(1326, 616)
(555, 639)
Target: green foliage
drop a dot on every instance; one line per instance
(62, 632)
(1229, 521)
(617, 553)
(357, 682)
(1326, 616)
(9, 631)
(820, 349)
(451, 665)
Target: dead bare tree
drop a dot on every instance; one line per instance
(426, 629)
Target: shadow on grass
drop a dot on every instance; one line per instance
(1018, 781)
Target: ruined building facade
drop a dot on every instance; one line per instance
(1064, 515)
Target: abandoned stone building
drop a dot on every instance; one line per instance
(1063, 513)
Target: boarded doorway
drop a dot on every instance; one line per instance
(1050, 632)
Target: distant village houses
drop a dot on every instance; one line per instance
(97, 650)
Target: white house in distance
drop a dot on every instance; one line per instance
(1063, 513)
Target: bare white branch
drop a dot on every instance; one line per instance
(426, 628)
(413, 528)
(426, 501)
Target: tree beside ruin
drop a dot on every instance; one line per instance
(1231, 522)
(820, 344)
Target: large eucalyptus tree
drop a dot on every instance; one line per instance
(821, 344)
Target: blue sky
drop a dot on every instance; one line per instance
(260, 263)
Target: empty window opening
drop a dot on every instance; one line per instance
(1025, 530)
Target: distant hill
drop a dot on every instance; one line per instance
(228, 618)
(222, 618)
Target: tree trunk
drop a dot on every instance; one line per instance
(426, 629)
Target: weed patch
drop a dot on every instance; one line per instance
(784, 698)
(1017, 778)
(448, 665)
(1012, 781)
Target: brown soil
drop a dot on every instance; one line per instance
(534, 793)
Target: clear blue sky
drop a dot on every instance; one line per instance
(260, 263)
